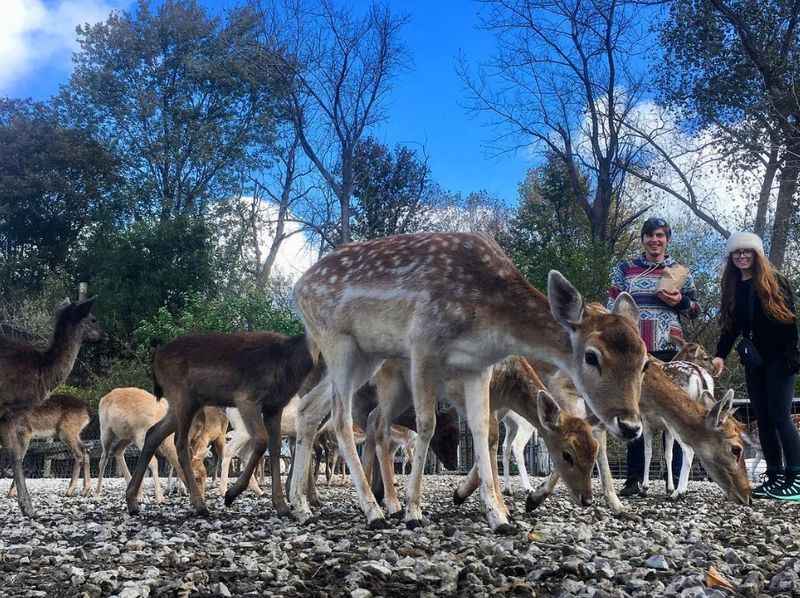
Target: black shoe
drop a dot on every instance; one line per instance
(770, 482)
(631, 488)
(789, 490)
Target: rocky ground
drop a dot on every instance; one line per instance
(91, 547)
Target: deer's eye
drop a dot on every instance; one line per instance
(737, 452)
(568, 459)
(590, 357)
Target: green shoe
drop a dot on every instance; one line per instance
(789, 490)
(770, 481)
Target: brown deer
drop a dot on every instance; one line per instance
(209, 427)
(61, 416)
(709, 431)
(452, 304)
(28, 375)
(256, 372)
(125, 416)
(514, 385)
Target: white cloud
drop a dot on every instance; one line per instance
(34, 33)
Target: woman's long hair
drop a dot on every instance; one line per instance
(765, 283)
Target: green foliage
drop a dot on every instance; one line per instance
(551, 231)
(185, 100)
(247, 311)
(54, 183)
(150, 264)
(392, 192)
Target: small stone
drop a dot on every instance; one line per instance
(222, 590)
(657, 561)
(360, 593)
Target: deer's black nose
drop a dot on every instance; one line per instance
(629, 429)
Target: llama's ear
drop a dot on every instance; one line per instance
(566, 303)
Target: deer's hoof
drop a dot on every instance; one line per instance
(413, 524)
(643, 491)
(506, 529)
(229, 498)
(458, 499)
(201, 511)
(133, 508)
(533, 501)
(397, 515)
(507, 492)
(378, 523)
(283, 510)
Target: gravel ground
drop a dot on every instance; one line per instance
(91, 547)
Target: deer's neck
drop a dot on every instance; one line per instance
(536, 335)
(60, 356)
(662, 399)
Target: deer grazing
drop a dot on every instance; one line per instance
(452, 304)
(514, 385)
(28, 375)
(125, 416)
(62, 417)
(256, 372)
(708, 430)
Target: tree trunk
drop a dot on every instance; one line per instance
(344, 197)
(760, 226)
(786, 205)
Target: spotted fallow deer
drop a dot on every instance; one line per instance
(28, 375)
(452, 304)
(709, 431)
(514, 385)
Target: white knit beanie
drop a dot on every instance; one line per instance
(745, 241)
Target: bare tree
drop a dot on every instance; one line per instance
(562, 81)
(338, 68)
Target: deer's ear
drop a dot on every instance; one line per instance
(677, 341)
(717, 415)
(626, 307)
(548, 410)
(707, 399)
(566, 303)
(83, 308)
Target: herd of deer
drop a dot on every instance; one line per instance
(395, 329)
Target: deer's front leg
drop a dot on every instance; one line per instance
(686, 468)
(648, 457)
(14, 440)
(476, 395)
(669, 443)
(606, 479)
(538, 496)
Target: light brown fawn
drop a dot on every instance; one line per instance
(515, 385)
(28, 375)
(452, 304)
(126, 414)
(61, 416)
(708, 430)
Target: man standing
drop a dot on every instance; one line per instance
(659, 316)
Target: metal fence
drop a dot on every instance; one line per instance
(53, 459)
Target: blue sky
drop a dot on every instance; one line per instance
(424, 109)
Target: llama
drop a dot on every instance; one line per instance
(28, 375)
(256, 372)
(63, 417)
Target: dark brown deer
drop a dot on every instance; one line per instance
(452, 304)
(28, 375)
(256, 372)
(61, 416)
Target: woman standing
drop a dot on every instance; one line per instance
(757, 304)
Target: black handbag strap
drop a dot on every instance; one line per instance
(751, 306)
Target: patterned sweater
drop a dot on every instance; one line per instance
(657, 320)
